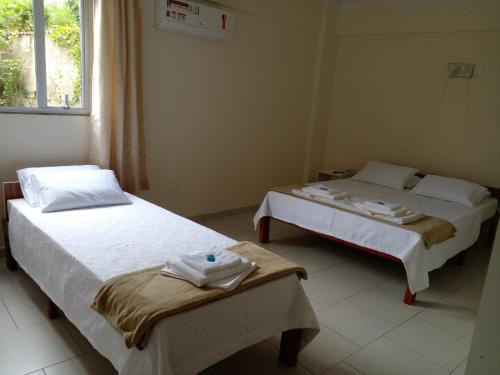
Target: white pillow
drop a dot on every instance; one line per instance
(390, 175)
(67, 190)
(451, 189)
(23, 175)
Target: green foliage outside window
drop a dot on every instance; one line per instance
(15, 18)
(62, 25)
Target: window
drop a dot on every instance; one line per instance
(42, 57)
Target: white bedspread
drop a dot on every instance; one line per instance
(401, 243)
(69, 254)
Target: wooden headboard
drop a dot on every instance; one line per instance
(11, 190)
(495, 192)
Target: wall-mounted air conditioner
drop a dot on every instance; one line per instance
(193, 18)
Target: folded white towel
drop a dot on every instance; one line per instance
(333, 199)
(403, 211)
(229, 283)
(320, 190)
(222, 259)
(199, 279)
(409, 218)
(383, 205)
(314, 194)
(405, 219)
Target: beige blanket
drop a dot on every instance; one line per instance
(432, 229)
(132, 303)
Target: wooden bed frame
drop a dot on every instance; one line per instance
(290, 340)
(409, 297)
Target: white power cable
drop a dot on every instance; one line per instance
(431, 114)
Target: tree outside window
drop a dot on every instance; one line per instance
(55, 70)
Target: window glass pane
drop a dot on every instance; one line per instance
(63, 53)
(17, 54)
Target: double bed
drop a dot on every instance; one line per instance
(392, 242)
(69, 254)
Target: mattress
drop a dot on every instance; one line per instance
(403, 244)
(71, 253)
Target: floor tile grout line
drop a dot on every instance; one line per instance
(355, 352)
(373, 312)
(358, 291)
(361, 347)
(464, 308)
(376, 313)
(444, 328)
(312, 299)
(325, 268)
(340, 362)
(461, 363)
(59, 362)
(341, 335)
(52, 364)
(384, 336)
(71, 338)
(418, 354)
(10, 314)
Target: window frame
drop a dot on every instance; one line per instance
(41, 72)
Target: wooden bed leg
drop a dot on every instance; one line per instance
(461, 258)
(264, 226)
(289, 347)
(53, 311)
(492, 230)
(409, 296)
(9, 259)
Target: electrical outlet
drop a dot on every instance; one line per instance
(461, 70)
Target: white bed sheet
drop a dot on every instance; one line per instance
(69, 254)
(401, 243)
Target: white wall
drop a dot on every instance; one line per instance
(226, 120)
(37, 140)
(391, 100)
(322, 93)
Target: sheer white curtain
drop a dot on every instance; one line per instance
(117, 130)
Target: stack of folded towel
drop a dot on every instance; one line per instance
(324, 192)
(389, 211)
(216, 268)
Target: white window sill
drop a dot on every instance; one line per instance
(46, 111)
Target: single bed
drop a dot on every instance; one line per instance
(69, 254)
(379, 238)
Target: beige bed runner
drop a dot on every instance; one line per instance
(134, 302)
(432, 229)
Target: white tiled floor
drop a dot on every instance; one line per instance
(366, 329)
